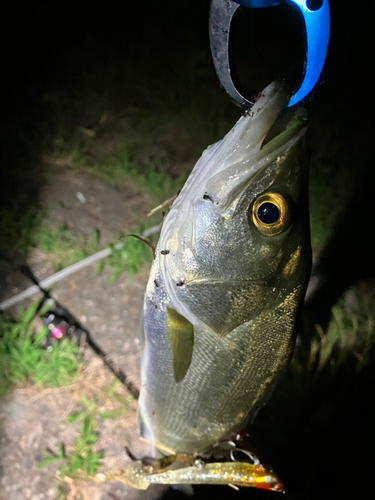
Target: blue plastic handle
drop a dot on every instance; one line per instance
(317, 26)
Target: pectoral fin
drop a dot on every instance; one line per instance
(181, 338)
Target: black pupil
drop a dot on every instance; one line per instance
(268, 213)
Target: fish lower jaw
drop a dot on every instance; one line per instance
(195, 444)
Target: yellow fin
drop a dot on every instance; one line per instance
(292, 264)
(181, 338)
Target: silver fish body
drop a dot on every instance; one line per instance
(225, 287)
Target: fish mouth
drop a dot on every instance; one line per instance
(256, 127)
(260, 137)
(285, 120)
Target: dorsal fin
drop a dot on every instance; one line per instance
(181, 339)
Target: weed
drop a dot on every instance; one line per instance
(63, 247)
(91, 411)
(350, 334)
(83, 457)
(23, 358)
(112, 393)
(129, 257)
(152, 176)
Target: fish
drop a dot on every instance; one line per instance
(227, 282)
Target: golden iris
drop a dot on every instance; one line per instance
(271, 214)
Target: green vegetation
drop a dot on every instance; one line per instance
(152, 143)
(130, 257)
(350, 334)
(64, 247)
(83, 457)
(61, 245)
(123, 166)
(91, 408)
(111, 393)
(22, 357)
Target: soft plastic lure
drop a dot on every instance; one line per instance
(245, 474)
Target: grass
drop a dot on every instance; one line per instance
(118, 169)
(350, 333)
(82, 457)
(171, 123)
(131, 257)
(91, 408)
(29, 230)
(22, 357)
(64, 247)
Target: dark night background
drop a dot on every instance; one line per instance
(320, 441)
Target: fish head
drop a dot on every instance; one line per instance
(236, 241)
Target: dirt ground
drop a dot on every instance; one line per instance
(32, 419)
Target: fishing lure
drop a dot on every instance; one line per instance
(220, 473)
(194, 469)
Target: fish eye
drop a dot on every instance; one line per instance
(268, 213)
(271, 214)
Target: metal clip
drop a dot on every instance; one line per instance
(316, 24)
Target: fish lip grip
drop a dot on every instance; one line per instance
(316, 25)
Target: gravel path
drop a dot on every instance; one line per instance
(32, 419)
